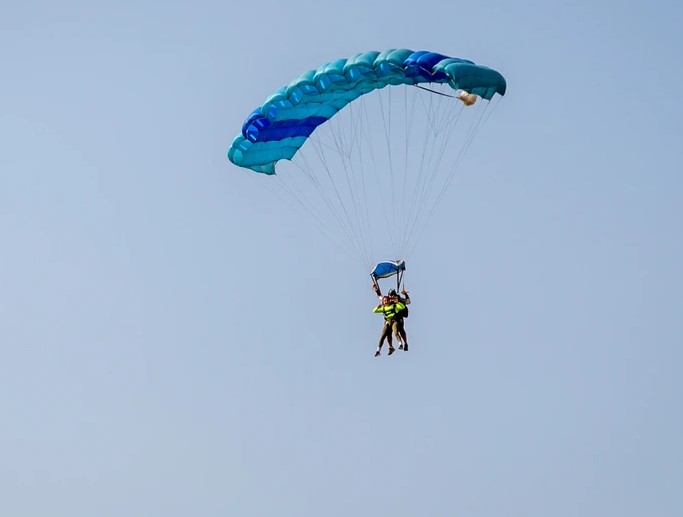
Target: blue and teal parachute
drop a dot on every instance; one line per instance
(278, 128)
(369, 163)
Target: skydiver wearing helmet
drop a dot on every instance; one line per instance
(398, 324)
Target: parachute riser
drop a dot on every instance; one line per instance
(376, 284)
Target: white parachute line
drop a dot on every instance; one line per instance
(348, 146)
(348, 221)
(292, 180)
(295, 192)
(426, 172)
(422, 175)
(360, 208)
(409, 212)
(396, 225)
(350, 174)
(434, 179)
(337, 133)
(392, 226)
(321, 143)
(490, 107)
(474, 129)
(405, 147)
(422, 161)
(425, 203)
(396, 184)
(431, 111)
(476, 126)
(444, 186)
(419, 225)
(364, 217)
(372, 147)
(306, 168)
(276, 185)
(445, 139)
(445, 117)
(388, 189)
(328, 199)
(404, 188)
(435, 105)
(431, 166)
(406, 183)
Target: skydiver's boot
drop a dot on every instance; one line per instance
(378, 352)
(391, 350)
(405, 347)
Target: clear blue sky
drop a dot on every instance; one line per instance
(173, 342)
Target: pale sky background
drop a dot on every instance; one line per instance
(175, 343)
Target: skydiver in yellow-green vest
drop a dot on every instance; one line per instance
(389, 309)
(398, 321)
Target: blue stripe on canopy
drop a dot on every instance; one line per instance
(263, 130)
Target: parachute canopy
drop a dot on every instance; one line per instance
(278, 128)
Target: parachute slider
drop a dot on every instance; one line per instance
(388, 269)
(467, 98)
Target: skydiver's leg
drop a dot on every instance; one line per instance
(402, 332)
(390, 339)
(405, 339)
(382, 337)
(397, 327)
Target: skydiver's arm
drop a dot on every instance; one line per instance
(378, 309)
